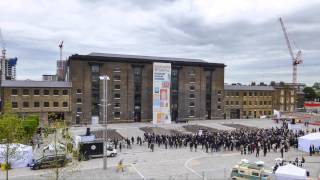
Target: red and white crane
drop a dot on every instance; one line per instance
(295, 59)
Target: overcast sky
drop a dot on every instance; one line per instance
(244, 34)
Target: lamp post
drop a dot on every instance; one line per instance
(105, 79)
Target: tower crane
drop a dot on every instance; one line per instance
(296, 60)
(61, 47)
(3, 46)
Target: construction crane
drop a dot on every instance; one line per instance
(296, 60)
(3, 46)
(61, 46)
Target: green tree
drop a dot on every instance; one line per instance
(316, 85)
(11, 131)
(309, 93)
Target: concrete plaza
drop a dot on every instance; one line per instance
(167, 164)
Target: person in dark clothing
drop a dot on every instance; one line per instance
(120, 146)
(257, 152)
(281, 151)
(195, 147)
(310, 150)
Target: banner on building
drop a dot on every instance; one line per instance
(161, 93)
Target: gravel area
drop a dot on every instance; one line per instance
(112, 134)
(196, 128)
(240, 126)
(159, 130)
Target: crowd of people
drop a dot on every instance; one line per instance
(245, 141)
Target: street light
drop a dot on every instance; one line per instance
(105, 79)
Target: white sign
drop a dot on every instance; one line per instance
(161, 93)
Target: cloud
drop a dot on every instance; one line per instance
(245, 35)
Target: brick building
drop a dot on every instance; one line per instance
(196, 87)
(254, 101)
(49, 99)
(248, 101)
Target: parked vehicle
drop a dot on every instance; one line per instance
(245, 171)
(94, 149)
(49, 162)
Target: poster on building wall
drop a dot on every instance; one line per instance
(161, 93)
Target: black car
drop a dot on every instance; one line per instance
(49, 161)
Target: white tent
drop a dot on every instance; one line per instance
(304, 142)
(290, 172)
(19, 155)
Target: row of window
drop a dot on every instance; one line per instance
(249, 113)
(37, 92)
(249, 103)
(192, 111)
(36, 104)
(249, 94)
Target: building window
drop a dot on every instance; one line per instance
(55, 92)
(36, 104)
(231, 102)
(25, 92)
(46, 92)
(117, 87)
(116, 95)
(191, 104)
(250, 93)
(25, 104)
(292, 92)
(14, 104)
(192, 87)
(65, 104)
(79, 91)
(261, 103)
(95, 90)
(36, 92)
(245, 94)
(192, 96)
(192, 80)
(116, 69)
(256, 103)
(219, 99)
(264, 102)
(244, 113)
(192, 72)
(55, 104)
(116, 105)
(237, 102)
(79, 100)
(191, 113)
(116, 114)
(237, 93)
(255, 94)
(227, 102)
(65, 92)
(14, 92)
(219, 92)
(244, 102)
(219, 107)
(250, 103)
(46, 104)
(137, 80)
(261, 93)
(79, 110)
(116, 77)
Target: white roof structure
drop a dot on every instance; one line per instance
(306, 141)
(290, 172)
(312, 136)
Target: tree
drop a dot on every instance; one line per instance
(11, 131)
(316, 85)
(15, 130)
(309, 93)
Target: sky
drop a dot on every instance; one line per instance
(243, 34)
